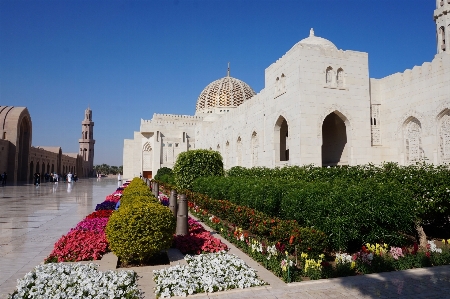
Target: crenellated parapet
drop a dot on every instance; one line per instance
(437, 67)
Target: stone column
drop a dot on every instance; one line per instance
(173, 202)
(182, 216)
(156, 190)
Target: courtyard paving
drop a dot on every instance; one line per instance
(33, 218)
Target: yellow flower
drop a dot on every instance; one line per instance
(352, 265)
(322, 256)
(304, 255)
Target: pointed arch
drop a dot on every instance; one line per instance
(340, 78)
(329, 75)
(335, 149)
(255, 149)
(239, 151)
(281, 140)
(147, 157)
(443, 124)
(412, 140)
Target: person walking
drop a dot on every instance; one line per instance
(37, 179)
(4, 176)
(69, 177)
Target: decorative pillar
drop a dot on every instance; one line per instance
(156, 190)
(182, 216)
(173, 202)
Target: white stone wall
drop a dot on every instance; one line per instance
(402, 118)
(421, 95)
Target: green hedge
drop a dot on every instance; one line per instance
(352, 215)
(429, 184)
(349, 213)
(288, 232)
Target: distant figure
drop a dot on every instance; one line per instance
(119, 177)
(55, 178)
(46, 177)
(140, 175)
(4, 177)
(75, 177)
(69, 177)
(37, 179)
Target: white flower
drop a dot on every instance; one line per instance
(205, 272)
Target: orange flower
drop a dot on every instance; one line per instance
(291, 240)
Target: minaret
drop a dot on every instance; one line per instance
(87, 140)
(442, 19)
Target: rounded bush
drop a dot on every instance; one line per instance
(194, 164)
(137, 231)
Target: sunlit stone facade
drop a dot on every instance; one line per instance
(319, 106)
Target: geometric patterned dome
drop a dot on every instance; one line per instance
(225, 92)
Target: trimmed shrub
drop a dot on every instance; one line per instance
(353, 214)
(137, 192)
(194, 164)
(165, 174)
(137, 231)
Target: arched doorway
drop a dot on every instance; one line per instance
(24, 149)
(334, 141)
(281, 134)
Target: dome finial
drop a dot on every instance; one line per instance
(311, 32)
(228, 71)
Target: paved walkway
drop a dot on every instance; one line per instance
(33, 218)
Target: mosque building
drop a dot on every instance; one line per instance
(20, 160)
(319, 106)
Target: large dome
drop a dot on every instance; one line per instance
(315, 40)
(225, 92)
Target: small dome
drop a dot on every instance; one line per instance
(315, 40)
(225, 92)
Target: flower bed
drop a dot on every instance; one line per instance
(92, 224)
(210, 272)
(198, 240)
(76, 281)
(106, 205)
(296, 265)
(100, 214)
(79, 245)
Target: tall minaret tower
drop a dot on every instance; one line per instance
(87, 140)
(442, 19)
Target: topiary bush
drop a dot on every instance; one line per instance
(137, 191)
(139, 230)
(194, 164)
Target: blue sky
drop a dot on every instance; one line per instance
(129, 59)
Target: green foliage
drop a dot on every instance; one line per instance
(350, 213)
(166, 175)
(137, 192)
(353, 214)
(137, 231)
(194, 164)
(429, 184)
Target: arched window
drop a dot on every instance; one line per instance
(86, 135)
(442, 38)
(340, 77)
(283, 83)
(329, 75)
(413, 140)
(255, 147)
(239, 152)
(281, 140)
